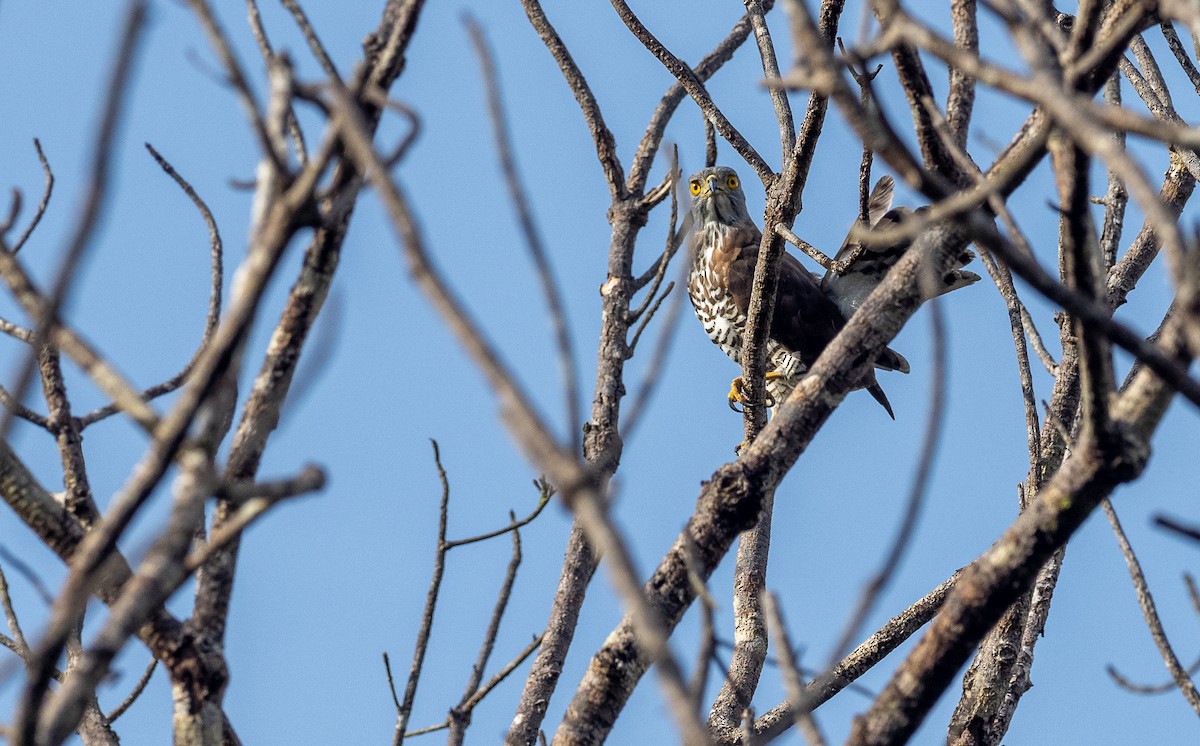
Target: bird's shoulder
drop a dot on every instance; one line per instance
(799, 295)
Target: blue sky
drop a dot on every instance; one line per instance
(329, 582)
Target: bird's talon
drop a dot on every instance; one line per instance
(736, 396)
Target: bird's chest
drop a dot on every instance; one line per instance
(708, 288)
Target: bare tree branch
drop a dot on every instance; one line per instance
(93, 204)
(138, 688)
(695, 88)
(43, 204)
(1180, 676)
(533, 240)
(791, 672)
(1096, 465)
(864, 657)
(916, 494)
(783, 202)
(460, 714)
(213, 316)
(606, 148)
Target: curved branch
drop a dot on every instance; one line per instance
(45, 202)
(695, 88)
(533, 240)
(213, 316)
(1146, 602)
(606, 147)
(94, 201)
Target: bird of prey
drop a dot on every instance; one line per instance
(808, 312)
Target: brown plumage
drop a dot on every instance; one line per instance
(808, 313)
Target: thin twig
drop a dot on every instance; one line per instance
(1115, 198)
(637, 335)
(606, 146)
(863, 77)
(1039, 345)
(655, 274)
(105, 376)
(387, 666)
(213, 316)
(444, 725)
(1169, 686)
(310, 35)
(1193, 591)
(770, 67)
(460, 714)
(264, 48)
(94, 201)
(138, 688)
(20, 647)
(431, 597)
(26, 571)
(695, 88)
(533, 239)
(482, 691)
(545, 492)
(14, 210)
(836, 266)
(643, 158)
(68, 436)
(1176, 46)
(504, 672)
(1191, 532)
(710, 144)
(16, 331)
(929, 445)
(960, 101)
(22, 411)
(236, 77)
(791, 670)
(379, 98)
(864, 657)
(708, 636)
(45, 202)
(1182, 680)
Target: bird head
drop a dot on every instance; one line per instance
(717, 197)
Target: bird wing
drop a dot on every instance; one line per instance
(804, 320)
(879, 205)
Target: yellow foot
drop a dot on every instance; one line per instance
(736, 395)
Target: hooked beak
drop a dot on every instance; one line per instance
(710, 186)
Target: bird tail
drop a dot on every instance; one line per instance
(876, 392)
(889, 359)
(850, 288)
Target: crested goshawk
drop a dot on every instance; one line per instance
(808, 312)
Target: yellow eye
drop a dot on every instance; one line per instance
(695, 187)
(732, 182)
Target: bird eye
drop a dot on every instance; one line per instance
(695, 187)
(732, 182)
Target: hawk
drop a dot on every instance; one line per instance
(808, 312)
